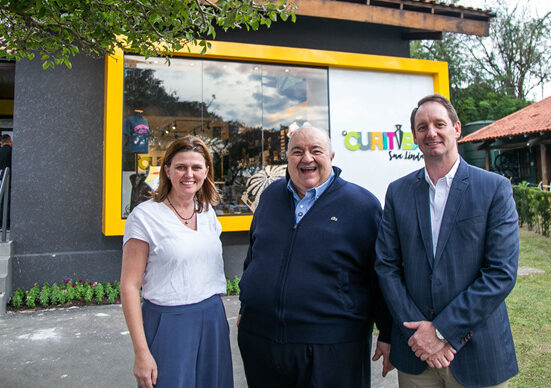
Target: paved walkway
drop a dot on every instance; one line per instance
(89, 347)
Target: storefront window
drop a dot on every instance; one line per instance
(242, 111)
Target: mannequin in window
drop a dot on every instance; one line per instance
(137, 132)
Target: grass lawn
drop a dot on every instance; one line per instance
(530, 313)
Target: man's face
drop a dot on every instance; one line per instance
(309, 160)
(435, 134)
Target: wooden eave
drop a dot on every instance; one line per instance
(418, 15)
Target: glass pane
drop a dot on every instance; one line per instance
(161, 103)
(292, 96)
(242, 111)
(233, 111)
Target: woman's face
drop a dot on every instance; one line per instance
(187, 172)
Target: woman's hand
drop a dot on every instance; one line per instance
(145, 370)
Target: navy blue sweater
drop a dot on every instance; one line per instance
(313, 282)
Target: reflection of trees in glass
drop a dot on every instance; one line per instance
(143, 91)
(245, 133)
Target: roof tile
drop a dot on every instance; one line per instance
(532, 119)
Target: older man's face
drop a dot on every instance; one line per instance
(309, 160)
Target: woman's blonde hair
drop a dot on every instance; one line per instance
(208, 194)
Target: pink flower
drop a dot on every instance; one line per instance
(67, 280)
(94, 284)
(64, 291)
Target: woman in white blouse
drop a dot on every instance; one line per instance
(173, 254)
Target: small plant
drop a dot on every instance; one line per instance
(45, 293)
(17, 298)
(99, 292)
(32, 295)
(232, 286)
(111, 293)
(58, 296)
(88, 294)
(533, 208)
(79, 289)
(235, 282)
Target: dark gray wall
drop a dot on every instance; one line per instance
(324, 34)
(58, 155)
(57, 179)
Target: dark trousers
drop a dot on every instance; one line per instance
(269, 364)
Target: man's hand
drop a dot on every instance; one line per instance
(443, 358)
(424, 341)
(238, 320)
(383, 349)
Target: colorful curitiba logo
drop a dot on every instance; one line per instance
(399, 144)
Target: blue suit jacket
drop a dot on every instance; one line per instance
(462, 288)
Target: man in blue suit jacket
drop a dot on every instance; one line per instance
(447, 257)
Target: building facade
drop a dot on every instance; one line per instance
(79, 167)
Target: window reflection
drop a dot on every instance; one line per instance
(242, 111)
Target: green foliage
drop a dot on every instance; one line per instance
(229, 286)
(111, 292)
(451, 50)
(475, 105)
(533, 207)
(99, 292)
(70, 293)
(516, 55)
(31, 295)
(88, 294)
(59, 29)
(57, 295)
(491, 77)
(17, 298)
(232, 286)
(66, 292)
(45, 293)
(530, 313)
(79, 290)
(236, 288)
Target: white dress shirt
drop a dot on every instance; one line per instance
(438, 196)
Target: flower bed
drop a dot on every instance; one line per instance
(78, 293)
(67, 293)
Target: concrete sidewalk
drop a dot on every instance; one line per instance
(90, 347)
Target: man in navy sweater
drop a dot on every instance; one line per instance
(309, 293)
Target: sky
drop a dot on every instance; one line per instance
(538, 8)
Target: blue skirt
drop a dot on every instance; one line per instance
(190, 344)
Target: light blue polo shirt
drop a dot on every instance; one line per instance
(302, 206)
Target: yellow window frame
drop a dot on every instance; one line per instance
(113, 223)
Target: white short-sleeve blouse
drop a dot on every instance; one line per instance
(184, 266)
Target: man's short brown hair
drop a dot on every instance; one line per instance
(452, 114)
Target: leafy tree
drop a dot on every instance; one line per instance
(59, 29)
(451, 50)
(491, 77)
(516, 55)
(479, 102)
(143, 90)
